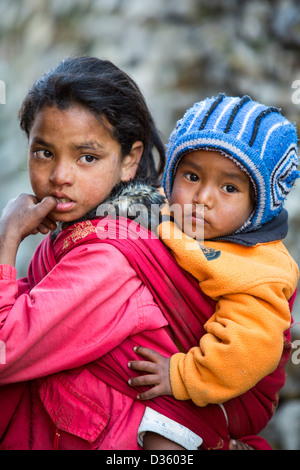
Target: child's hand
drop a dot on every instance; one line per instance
(25, 215)
(158, 377)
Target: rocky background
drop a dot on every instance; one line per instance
(178, 51)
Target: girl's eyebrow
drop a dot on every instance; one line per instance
(88, 146)
(38, 140)
(84, 146)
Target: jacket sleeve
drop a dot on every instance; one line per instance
(86, 305)
(243, 343)
(244, 338)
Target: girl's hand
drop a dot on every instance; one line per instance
(25, 215)
(158, 369)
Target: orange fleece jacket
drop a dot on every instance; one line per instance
(244, 337)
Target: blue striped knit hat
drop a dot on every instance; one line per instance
(256, 137)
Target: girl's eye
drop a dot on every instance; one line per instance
(192, 177)
(228, 188)
(42, 153)
(88, 159)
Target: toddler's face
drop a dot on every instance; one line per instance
(73, 158)
(213, 194)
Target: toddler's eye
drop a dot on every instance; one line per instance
(192, 177)
(228, 188)
(42, 153)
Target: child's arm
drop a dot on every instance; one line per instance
(33, 325)
(236, 352)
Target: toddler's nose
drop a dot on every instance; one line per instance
(204, 196)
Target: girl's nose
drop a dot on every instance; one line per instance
(62, 174)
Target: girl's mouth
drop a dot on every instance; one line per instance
(64, 204)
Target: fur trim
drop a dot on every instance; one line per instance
(137, 200)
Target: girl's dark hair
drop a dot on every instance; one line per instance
(106, 91)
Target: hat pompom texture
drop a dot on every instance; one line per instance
(256, 137)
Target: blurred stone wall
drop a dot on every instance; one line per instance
(178, 51)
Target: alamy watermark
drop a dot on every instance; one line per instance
(295, 356)
(296, 93)
(2, 92)
(190, 218)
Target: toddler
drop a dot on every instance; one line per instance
(231, 162)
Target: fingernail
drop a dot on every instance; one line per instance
(129, 382)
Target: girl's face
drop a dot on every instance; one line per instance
(213, 194)
(75, 159)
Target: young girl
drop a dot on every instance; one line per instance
(70, 326)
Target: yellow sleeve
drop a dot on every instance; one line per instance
(243, 344)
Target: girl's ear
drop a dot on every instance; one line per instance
(131, 161)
